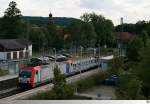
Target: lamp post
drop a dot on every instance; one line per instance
(81, 51)
(55, 54)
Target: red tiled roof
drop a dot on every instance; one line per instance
(123, 35)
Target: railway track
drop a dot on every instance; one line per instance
(16, 93)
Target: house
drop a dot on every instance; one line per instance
(14, 49)
(124, 36)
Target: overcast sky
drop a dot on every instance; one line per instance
(131, 10)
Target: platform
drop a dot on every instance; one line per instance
(8, 82)
(7, 77)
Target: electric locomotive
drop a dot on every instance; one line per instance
(36, 74)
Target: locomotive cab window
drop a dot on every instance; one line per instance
(25, 73)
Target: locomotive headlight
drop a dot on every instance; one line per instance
(24, 80)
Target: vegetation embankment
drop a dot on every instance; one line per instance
(133, 71)
(63, 91)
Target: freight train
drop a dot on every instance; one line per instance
(36, 74)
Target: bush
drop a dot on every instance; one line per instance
(91, 81)
(67, 91)
(129, 88)
(3, 72)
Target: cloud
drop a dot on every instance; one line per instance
(131, 10)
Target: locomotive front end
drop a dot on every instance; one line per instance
(25, 77)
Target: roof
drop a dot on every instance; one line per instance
(12, 44)
(23, 42)
(123, 35)
(107, 57)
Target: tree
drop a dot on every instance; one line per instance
(133, 50)
(38, 38)
(61, 89)
(116, 66)
(88, 35)
(86, 17)
(74, 29)
(103, 28)
(11, 22)
(143, 71)
(144, 37)
(129, 87)
(54, 37)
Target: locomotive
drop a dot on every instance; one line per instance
(33, 75)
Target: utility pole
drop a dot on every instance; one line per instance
(27, 41)
(120, 43)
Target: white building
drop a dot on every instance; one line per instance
(14, 49)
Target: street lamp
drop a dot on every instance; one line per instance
(94, 52)
(81, 51)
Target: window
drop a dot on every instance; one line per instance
(25, 73)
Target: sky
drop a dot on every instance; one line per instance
(131, 10)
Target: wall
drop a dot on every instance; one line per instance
(3, 55)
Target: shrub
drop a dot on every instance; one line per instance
(3, 72)
(91, 81)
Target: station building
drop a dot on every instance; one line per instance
(15, 49)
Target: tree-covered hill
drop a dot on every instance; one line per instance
(40, 21)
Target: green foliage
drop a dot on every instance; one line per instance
(55, 38)
(129, 88)
(50, 95)
(89, 82)
(82, 33)
(143, 71)
(61, 89)
(38, 38)
(11, 22)
(134, 49)
(103, 28)
(92, 30)
(12, 11)
(136, 28)
(144, 36)
(3, 72)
